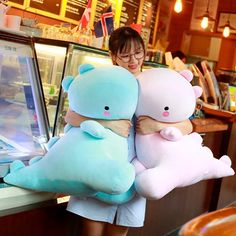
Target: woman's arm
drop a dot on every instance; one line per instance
(120, 127)
(147, 125)
(74, 119)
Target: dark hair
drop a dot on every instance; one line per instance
(121, 39)
(178, 54)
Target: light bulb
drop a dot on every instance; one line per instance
(226, 31)
(178, 6)
(204, 22)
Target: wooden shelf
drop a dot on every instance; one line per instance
(204, 125)
(229, 116)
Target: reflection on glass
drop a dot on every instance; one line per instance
(51, 61)
(22, 133)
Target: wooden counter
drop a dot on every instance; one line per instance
(205, 125)
(224, 190)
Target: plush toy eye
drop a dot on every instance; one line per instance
(106, 108)
(166, 108)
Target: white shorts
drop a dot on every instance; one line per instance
(130, 214)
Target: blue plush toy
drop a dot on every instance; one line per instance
(89, 160)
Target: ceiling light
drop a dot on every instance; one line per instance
(204, 22)
(227, 28)
(178, 6)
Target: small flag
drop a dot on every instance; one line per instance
(104, 26)
(86, 16)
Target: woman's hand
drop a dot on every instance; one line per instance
(147, 125)
(74, 119)
(120, 127)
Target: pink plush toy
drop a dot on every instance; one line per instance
(168, 159)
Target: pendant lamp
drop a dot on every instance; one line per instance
(205, 17)
(227, 27)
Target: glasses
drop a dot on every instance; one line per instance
(127, 57)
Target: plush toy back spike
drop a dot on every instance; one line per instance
(168, 159)
(85, 67)
(89, 160)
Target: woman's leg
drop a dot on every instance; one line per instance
(93, 228)
(115, 230)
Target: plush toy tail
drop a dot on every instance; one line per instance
(226, 160)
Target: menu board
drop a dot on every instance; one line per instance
(21, 2)
(75, 9)
(47, 5)
(129, 12)
(149, 15)
(101, 7)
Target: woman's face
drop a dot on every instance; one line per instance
(131, 58)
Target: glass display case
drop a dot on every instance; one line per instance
(23, 118)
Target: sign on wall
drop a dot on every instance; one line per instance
(129, 12)
(75, 9)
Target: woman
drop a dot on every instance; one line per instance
(99, 219)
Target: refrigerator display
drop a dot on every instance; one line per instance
(23, 120)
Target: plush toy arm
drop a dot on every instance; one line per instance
(138, 166)
(16, 165)
(171, 134)
(67, 128)
(93, 128)
(52, 141)
(35, 159)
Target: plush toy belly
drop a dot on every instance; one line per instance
(171, 164)
(79, 164)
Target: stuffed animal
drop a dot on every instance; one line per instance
(89, 160)
(168, 159)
